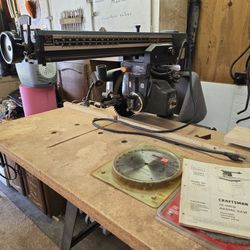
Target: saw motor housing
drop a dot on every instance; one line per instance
(152, 84)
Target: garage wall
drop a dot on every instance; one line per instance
(224, 32)
(173, 15)
(57, 6)
(223, 102)
(133, 11)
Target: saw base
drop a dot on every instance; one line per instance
(153, 197)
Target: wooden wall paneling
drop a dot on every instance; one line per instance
(224, 32)
(173, 15)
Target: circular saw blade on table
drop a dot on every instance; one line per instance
(147, 173)
(146, 167)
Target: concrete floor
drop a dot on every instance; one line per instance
(53, 229)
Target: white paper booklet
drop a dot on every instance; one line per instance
(215, 198)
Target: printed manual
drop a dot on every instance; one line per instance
(215, 198)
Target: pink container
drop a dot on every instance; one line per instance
(37, 100)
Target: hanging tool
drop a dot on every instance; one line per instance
(31, 8)
(72, 20)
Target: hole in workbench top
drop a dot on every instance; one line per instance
(100, 133)
(204, 137)
(77, 124)
(53, 132)
(124, 141)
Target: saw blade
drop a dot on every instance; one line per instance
(122, 109)
(147, 167)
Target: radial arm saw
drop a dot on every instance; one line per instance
(151, 78)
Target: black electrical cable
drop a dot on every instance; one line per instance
(181, 51)
(159, 73)
(230, 155)
(3, 164)
(243, 119)
(247, 101)
(248, 92)
(248, 86)
(236, 60)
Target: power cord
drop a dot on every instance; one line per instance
(248, 92)
(236, 60)
(4, 164)
(233, 156)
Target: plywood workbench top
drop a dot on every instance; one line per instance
(62, 148)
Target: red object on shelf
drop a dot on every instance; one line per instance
(37, 100)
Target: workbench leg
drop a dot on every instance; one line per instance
(69, 224)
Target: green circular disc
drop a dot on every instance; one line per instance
(147, 166)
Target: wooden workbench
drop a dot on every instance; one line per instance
(62, 148)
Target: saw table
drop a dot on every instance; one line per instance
(62, 148)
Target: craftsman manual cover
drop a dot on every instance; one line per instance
(215, 198)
